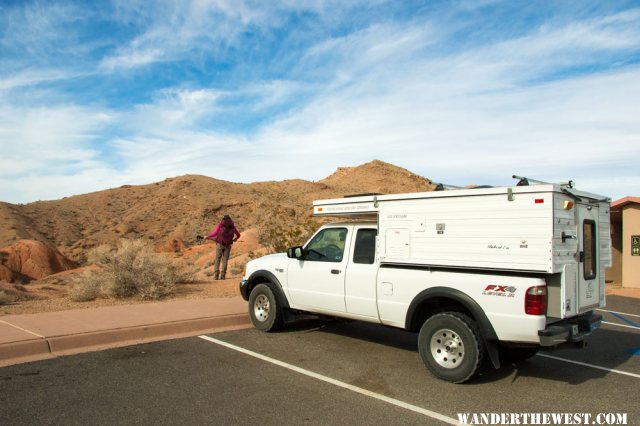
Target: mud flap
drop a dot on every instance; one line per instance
(492, 351)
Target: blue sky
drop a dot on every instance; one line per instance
(94, 95)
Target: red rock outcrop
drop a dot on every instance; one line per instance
(33, 260)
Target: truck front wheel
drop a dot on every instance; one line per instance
(451, 346)
(264, 311)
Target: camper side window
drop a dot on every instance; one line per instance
(365, 248)
(327, 245)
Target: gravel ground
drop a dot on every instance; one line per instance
(58, 301)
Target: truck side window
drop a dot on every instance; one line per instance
(589, 247)
(327, 245)
(365, 249)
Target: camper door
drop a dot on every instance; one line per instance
(589, 270)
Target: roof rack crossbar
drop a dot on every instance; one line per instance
(525, 181)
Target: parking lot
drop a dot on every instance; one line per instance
(319, 373)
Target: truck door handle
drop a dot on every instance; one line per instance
(335, 271)
(581, 260)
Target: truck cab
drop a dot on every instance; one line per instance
(333, 274)
(336, 272)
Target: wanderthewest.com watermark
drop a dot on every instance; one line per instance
(542, 418)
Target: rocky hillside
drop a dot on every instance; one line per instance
(26, 260)
(172, 212)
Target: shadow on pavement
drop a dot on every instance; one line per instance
(607, 348)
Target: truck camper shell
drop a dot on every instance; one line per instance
(532, 229)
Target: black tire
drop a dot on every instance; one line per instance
(451, 346)
(264, 311)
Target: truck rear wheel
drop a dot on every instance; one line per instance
(451, 346)
(264, 311)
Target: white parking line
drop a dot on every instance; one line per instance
(619, 313)
(335, 382)
(621, 325)
(597, 367)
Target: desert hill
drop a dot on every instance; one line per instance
(170, 214)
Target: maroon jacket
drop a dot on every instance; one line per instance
(225, 231)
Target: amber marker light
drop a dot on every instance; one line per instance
(568, 205)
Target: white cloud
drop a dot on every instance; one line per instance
(171, 110)
(48, 141)
(32, 77)
(401, 92)
(174, 30)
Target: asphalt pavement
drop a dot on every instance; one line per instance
(32, 337)
(318, 372)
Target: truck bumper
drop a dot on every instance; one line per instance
(571, 330)
(244, 287)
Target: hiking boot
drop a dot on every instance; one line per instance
(222, 276)
(215, 275)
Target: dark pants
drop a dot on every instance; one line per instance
(222, 253)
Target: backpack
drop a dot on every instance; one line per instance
(225, 234)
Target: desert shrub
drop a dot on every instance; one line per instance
(85, 287)
(100, 254)
(134, 270)
(5, 299)
(237, 269)
(284, 228)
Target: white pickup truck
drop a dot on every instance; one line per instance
(492, 272)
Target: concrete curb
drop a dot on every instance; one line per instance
(49, 347)
(13, 353)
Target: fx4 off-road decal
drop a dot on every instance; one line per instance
(499, 290)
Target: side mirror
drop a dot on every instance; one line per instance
(295, 252)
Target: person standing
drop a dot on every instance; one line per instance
(225, 235)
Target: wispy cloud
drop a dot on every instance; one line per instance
(174, 30)
(45, 141)
(246, 91)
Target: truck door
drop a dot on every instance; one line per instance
(589, 271)
(362, 270)
(317, 281)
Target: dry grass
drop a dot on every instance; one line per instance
(85, 286)
(5, 299)
(132, 270)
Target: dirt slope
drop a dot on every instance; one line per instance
(40, 238)
(172, 212)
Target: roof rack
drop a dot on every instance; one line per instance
(525, 181)
(366, 194)
(444, 186)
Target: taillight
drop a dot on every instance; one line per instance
(535, 302)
